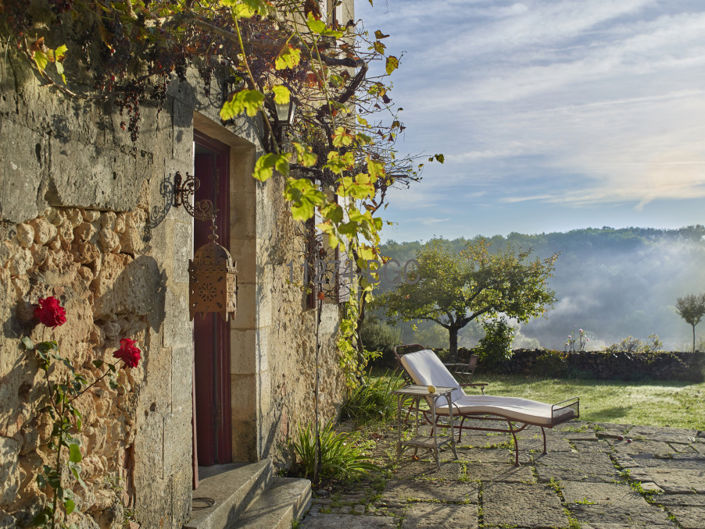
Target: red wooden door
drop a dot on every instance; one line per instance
(210, 332)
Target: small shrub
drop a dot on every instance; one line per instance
(496, 347)
(632, 345)
(379, 336)
(372, 400)
(341, 459)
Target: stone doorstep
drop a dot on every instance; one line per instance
(224, 496)
(286, 500)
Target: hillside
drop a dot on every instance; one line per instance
(613, 283)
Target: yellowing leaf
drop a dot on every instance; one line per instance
(316, 26)
(281, 94)
(60, 52)
(375, 168)
(304, 155)
(40, 59)
(342, 137)
(289, 58)
(392, 64)
(245, 8)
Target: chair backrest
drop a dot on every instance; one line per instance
(426, 369)
(399, 351)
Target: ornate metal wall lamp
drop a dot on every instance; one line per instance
(212, 274)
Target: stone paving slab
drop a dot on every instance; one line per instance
(439, 516)
(696, 500)
(349, 521)
(580, 480)
(654, 433)
(616, 495)
(413, 490)
(586, 466)
(426, 469)
(689, 517)
(499, 472)
(522, 505)
(609, 517)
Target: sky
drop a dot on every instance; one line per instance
(552, 115)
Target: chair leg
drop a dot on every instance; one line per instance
(544, 439)
(516, 444)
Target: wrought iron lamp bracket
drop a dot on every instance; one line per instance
(184, 190)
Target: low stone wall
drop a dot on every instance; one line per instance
(607, 366)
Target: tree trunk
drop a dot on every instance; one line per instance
(453, 343)
(693, 338)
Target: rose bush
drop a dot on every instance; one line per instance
(128, 353)
(65, 384)
(50, 312)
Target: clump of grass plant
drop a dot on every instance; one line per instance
(373, 399)
(340, 457)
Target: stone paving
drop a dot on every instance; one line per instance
(595, 476)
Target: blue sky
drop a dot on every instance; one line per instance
(552, 115)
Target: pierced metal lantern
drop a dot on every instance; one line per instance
(212, 281)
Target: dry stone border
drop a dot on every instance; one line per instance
(604, 476)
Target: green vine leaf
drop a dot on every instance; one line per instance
(27, 343)
(281, 94)
(267, 163)
(248, 101)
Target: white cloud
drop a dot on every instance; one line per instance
(562, 102)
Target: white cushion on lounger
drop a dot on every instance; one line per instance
(524, 410)
(427, 370)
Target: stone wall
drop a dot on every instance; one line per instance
(78, 201)
(75, 196)
(602, 365)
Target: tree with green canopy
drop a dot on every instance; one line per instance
(453, 289)
(691, 308)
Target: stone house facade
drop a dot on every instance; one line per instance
(83, 217)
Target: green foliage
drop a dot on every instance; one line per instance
(63, 386)
(456, 288)
(496, 346)
(340, 458)
(633, 345)
(691, 308)
(381, 337)
(372, 400)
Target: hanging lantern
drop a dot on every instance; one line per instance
(212, 281)
(212, 275)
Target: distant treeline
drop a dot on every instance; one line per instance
(612, 283)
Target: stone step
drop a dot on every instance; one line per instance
(286, 500)
(221, 498)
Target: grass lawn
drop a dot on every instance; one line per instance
(656, 403)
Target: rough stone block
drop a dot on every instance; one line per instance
(9, 470)
(178, 328)
(21, 172)
(88, 176)
(177, 443)
(181, 378)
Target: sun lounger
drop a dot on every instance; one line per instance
(425, 368)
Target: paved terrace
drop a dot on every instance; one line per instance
(593, 477)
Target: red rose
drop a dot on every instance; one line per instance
(50, 312)
(128, 352)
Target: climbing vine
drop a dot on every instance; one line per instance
(337, 159)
